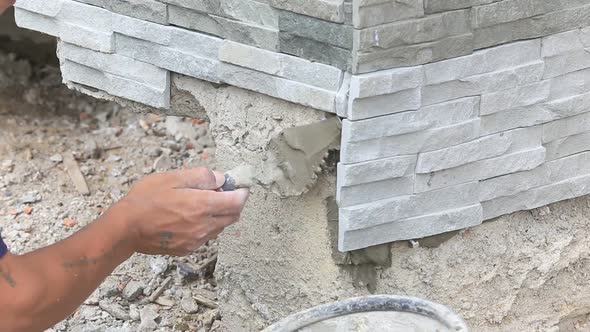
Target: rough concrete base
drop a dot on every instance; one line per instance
(523, 272)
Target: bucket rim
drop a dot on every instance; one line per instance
(371, 303)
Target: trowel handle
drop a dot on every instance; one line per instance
(230, 183)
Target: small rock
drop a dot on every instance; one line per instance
(162, 163)
(27, 210)
(115, 310)
(134, 312)
(186, 272)
(148, 318)
(91, 150)
(16, 211)
(114, 159)
(69, 222)
(28, 154)
(144, 125)
(109, 288)
(209, 317)
(152, 118)
(133, 290)
(118, 329)
(158, 265)
(7, 166)
(216, 326)
(189, 305)
(93, 298)
(86, 328)
(61, 326)
(89, 313)
(31, 197)
(165, 301)
(154, 152)
(57, 158)
(173, 125)
(545, 210)
(116, 194)
(172, 146)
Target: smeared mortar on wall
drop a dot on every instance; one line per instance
(294, 160)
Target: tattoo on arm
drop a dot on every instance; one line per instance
(7, 276)
(165, 238)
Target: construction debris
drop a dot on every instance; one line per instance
(76, 175)
(56, 145)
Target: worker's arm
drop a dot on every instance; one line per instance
(168, 213)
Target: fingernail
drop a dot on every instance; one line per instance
(219, 179)
(244, 194)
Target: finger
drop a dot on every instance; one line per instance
(196, 178)
(218, 203)
(231, 203)
(222, 222)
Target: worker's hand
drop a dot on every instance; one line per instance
(177, 212)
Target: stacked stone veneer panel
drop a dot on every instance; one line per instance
(454, 111)
(237, 43)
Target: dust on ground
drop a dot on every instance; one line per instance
(41, 121)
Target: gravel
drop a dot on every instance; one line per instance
(40, 122)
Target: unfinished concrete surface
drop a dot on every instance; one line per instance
(490, 119)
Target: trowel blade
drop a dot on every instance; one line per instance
(302, 150)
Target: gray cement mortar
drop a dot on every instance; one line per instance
(523, 272)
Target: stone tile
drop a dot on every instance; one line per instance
(411, 228)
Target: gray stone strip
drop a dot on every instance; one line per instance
(330, 33)
(403, 207)
(246, 33)
(148, 10)
(282, 65)
(248, 11)
(117, 64)
(537, 197)
(411, 143)
(411, 228)
(115, 85)
(65, 20)
(373, 171)
(369, 13)
(374, 191)
(482, 170)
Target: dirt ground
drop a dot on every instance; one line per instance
(41, 123)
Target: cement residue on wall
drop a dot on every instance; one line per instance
(280, 236)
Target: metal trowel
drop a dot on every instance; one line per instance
(299, 154)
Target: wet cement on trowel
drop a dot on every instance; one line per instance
(293, 160)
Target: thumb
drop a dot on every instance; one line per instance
(200, 178)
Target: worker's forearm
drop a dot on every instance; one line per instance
(52, 282)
